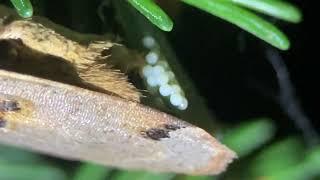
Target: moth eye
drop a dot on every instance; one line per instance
(23, 7)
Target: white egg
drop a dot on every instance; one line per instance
(147, 71)
(157, 70)
(165, 90)
(152, 81)
(162, 79)
(184, 104)
(152, 58)
(148, 42)
(176, 99)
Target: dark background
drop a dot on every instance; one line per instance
(230, 68)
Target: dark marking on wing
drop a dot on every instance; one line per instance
(3, 123)
(172, 127)
(156, 134)
(9, 105)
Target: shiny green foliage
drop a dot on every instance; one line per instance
(278, 9)
(232, 11)
(140, 175)
(154, 13)
(287, 160)
(16, 164)
(23, 7)
(245, 20)
(26, 172)
(249, 136)
(198, 178)
(235, 12)
(277, 157)
(91, 171)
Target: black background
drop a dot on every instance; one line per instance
(230, 69)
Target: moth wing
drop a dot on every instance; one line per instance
(75, 123)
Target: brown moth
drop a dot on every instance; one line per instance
(74, 123)
(88, 59)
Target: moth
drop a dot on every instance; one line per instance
(94, 117)
(87, 59)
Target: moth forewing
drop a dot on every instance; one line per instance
(88, 59)
(75, 123)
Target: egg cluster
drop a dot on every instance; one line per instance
(159, 75)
